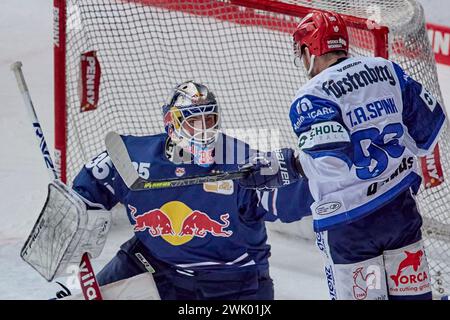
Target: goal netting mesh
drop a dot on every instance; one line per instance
(243, 51)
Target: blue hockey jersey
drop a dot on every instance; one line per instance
(208, 226)
(360, 124)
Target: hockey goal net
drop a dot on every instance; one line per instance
(116, 61)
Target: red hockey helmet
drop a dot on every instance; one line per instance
(321, 32)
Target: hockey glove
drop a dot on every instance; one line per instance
(272, 170)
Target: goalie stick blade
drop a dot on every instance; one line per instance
(142, 184)
(120, 158)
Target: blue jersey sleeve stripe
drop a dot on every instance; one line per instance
(331, 153)
(308, 110)
(411, 179)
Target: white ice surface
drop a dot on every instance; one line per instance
(436, 11)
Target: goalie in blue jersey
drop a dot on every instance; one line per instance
(361, 123)
(204, 241)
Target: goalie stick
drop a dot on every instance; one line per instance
(121, 159)
(88, 282)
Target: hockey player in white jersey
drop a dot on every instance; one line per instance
(361, 123)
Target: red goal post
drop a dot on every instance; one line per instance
(260, 13)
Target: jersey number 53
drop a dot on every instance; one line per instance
(373, 148)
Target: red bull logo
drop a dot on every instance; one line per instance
(154, 220)
(199, 224)
(176, 223)
(413, 260)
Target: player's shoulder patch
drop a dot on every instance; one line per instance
(329, 132)
(307, 109)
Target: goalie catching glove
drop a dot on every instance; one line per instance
(64, 231)
(273, 169)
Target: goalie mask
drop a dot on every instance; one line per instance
(191, 119)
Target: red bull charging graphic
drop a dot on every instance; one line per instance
(176, 223)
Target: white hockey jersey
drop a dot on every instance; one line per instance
(360, 125)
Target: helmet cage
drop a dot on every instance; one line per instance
(194, 124)
(192, 119)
